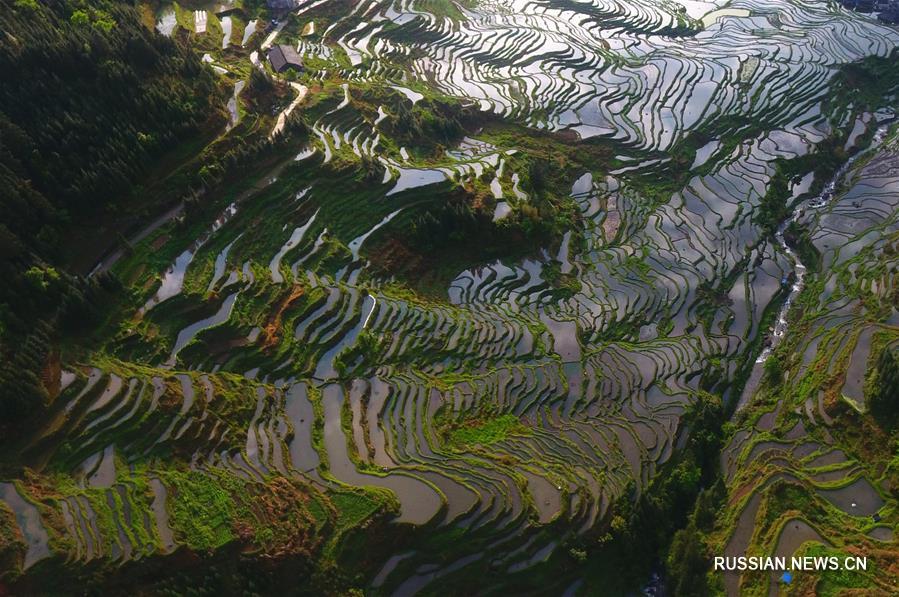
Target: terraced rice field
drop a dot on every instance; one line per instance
(507, 411)
(799, 444)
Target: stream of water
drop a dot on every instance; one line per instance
(821, 200)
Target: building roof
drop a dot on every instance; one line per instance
(283, 56)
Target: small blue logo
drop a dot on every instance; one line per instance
(787, 577)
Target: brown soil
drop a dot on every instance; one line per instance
(280, 506)
(270, 333)
(392, 255)
(160, 242)
(50, 376)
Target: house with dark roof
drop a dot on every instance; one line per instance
(282, 57)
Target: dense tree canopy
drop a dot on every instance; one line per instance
(90, 98)
(884, 398)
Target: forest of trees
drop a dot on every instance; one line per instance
(665, 528)
(90, 98)
(883, 400)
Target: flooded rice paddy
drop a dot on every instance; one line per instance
(595, 380)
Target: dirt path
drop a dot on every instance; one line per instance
(302, 90)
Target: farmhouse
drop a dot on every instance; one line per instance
(282, 57)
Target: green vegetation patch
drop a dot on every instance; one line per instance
(353, 508)
(202, 508)
(485, 432)
(12, 544)
(835, 582)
